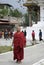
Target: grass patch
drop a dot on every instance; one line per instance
(28, 45)
(4, 49)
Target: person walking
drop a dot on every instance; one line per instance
(33, 35)
(40, 35)
(25, 33)
(19, 42)
(6, 34)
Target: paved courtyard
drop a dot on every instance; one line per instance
(32, 55)
(41, 62)
(8, 42)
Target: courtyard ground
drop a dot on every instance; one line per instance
(32, 55)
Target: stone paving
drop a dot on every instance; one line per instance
(8, 42)
(32, 55)
(41, 62)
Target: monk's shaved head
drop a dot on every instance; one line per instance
(18, 28)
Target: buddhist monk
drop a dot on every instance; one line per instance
(19, 42)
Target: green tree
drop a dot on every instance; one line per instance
(16, 13)
(4, 12)
(26, 19)
(34, 16)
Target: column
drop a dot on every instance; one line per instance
(5, 7)
(42, 13)
(8, 10)
(29, 14)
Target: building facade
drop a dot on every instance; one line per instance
(38, 7)
(5, 9)
(6, 21)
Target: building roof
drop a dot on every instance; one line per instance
(38, 2)
(4, 21)
(6, 4)
(29, 4)
(8, 23)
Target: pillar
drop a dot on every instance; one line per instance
(30, 17)
(42, 13)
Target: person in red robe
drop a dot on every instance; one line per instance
(19, 42)
(33, 35)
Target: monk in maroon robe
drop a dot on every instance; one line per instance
(19, 42)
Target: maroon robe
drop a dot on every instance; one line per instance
(33, 36)
(19, 43)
